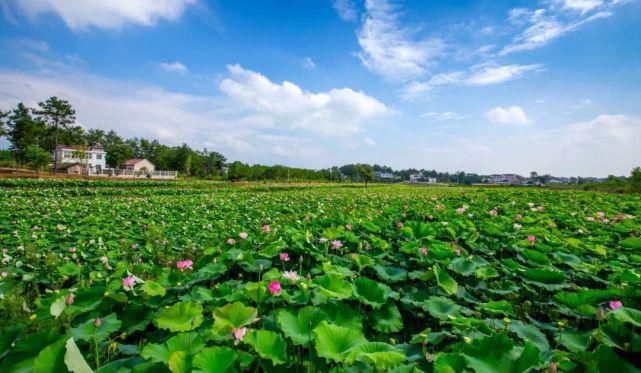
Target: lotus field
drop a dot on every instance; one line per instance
(153, 277)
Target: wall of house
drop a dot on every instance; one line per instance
(95, 158)
(146, 165)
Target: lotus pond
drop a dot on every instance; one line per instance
(189, 277)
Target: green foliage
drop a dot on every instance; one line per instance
(376, 303)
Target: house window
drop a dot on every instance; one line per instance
(98, 156)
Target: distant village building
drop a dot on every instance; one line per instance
(385, 176)
(92, 161)
(416, 177)
(89, 159)
(139, 166)
(506, 179)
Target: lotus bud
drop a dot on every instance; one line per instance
(69, 300)
(97, 322)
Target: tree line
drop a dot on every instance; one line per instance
(34, 133)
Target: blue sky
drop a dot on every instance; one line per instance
(480, 86)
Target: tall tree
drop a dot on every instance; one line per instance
(365, 172)
(4, 115)
(36, 157)
(23, 130)
(118, 154)
(58, 115)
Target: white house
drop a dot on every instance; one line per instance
(416, 177)
(139, 166)
(92, 158)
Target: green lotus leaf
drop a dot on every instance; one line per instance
(381, 355)
(502, 307)
(190, 342)
(87, 331)
(494, 354)
(449, 363)
(609, 361)
(217, 359)
(627, 315)
(180, 362)
(269, 345)
(153, 289)
(180, 317)
(233, 316)
(441, 307)
(390, 274)
(387, 319)
(333, 342)
(369, 292)
(342, 314)
(444, 280)
(74, 360)
(299, 326)
(631, 243)
(333, 286)
(51, 359)
(529, 333)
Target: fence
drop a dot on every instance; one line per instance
(117, 172)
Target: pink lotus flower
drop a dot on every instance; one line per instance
(493, 212)
(423, 251)
(274, 287)
(4, 274)
(519, 216)
(243, 235)
(457, 251)
(291, 275)
(231, 241)
(431, 217)
(531, 238)
(239, 333)
(590, 218)
(69, 300)
(348, 227)
(399, 224)
(322, 240)
(266, 228)
(601, 214)
(97, 322)
(615, 304)
(284, 257)
(72, 249)
(460, 210)
(336, 244)
(134, 246)
(184, 264)
(128, 282)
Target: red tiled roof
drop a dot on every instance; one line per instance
(132, 162)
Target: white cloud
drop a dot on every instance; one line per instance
(582, 6)
(337, 112)
(346, 9)
(479, 75)
(369, 141)
(308, 63)
(498, 74)
(391, 50)
(175, 67)
(106, 14)
(507, 115)
(543, 26)
(443, 116)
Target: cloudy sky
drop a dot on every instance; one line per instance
(479, 86)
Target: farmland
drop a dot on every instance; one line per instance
(193, 276)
